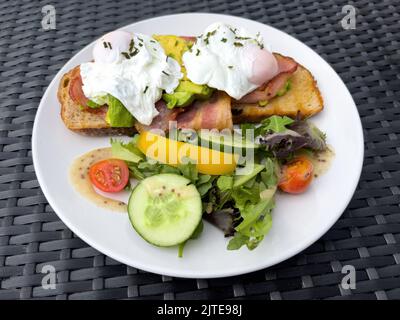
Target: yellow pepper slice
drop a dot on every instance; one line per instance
(172, 152)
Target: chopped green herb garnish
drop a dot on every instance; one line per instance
(152, 41)
(242, 38)
(131, 44)
(134, 53)
(105, 44)
(230, 67)
(109, 45)
(238, 44)
(223, 40)
(167, 74)
(140, 39)
(145, 89)
(176, 43)
(198, 52)
(126, 55)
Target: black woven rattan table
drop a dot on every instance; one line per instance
(367, 236)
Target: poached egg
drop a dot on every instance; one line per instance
(132, 68)
(230, 59)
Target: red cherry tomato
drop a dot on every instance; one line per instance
(109, 175)
(296, 175)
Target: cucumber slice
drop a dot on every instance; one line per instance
(225, 142)
(165, 209)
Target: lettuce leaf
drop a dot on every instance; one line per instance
(300, 134)
(126, 151)
(275, 124)
(254, 199)
(196, 233)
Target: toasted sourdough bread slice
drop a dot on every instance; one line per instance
(83, 121)
(303, 97)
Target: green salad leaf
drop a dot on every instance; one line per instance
(196, 234)
(189, 171)
(269, 177)
(253, 196)
(275, 124)
(225, 183)
(204, 184)
(125, 151)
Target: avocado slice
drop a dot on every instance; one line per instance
(178, 99)
(187, 91)
(189, 86)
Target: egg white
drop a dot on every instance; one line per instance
(221, 59)
(138, 82)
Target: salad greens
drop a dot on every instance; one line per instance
(255, 219)
(240, 205)
(126, 151)
(292, 136)
(268, 125)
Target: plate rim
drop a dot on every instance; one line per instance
(184, 274)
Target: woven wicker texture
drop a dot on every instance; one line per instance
(367, 236)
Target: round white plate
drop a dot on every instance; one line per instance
(298, 221)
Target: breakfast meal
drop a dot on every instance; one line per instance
(218, 124)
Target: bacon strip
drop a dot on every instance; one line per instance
(75, 89)
(77, 95)
(214, 113)
(161, 121)
(287, 66)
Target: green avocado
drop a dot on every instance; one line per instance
(178, 99)
(187, 91)
(189, 86)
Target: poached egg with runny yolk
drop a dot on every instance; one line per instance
(230, 59)
(132, 68)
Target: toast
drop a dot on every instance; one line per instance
(83, 121)
(303, 98)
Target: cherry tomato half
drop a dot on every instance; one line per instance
(109, 175)
(296, 175)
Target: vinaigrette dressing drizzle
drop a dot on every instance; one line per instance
(79, 178)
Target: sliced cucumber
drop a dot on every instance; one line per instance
(225, 142)
(165, 209)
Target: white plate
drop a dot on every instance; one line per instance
(298, 221)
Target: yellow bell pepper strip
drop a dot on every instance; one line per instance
(172, 152)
